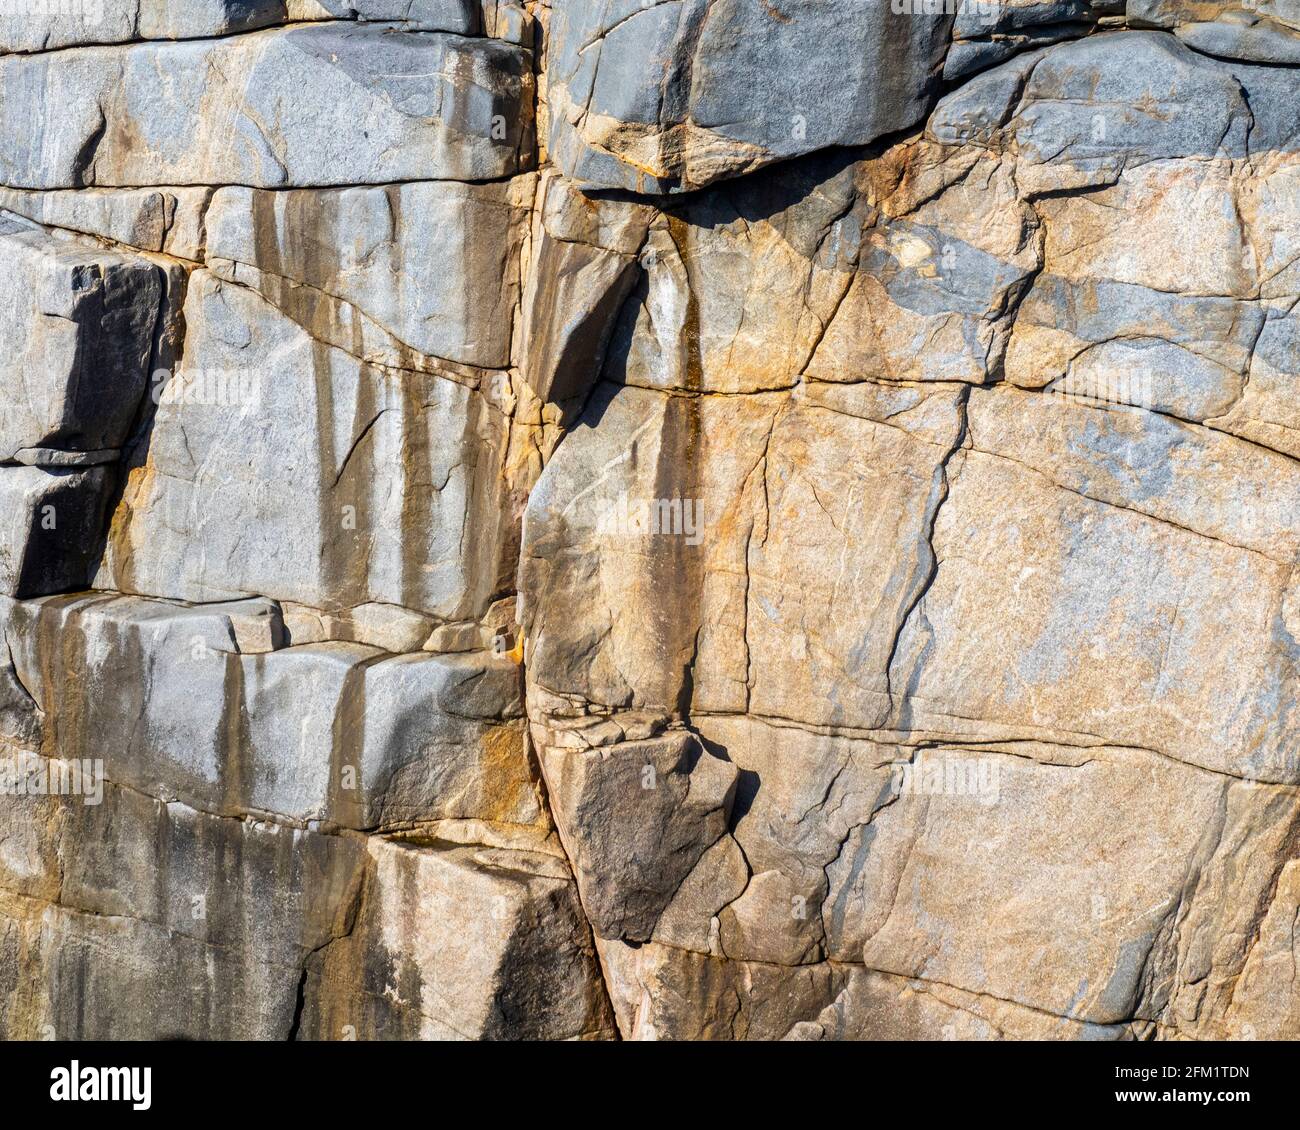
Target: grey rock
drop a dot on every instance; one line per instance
(355, 484)
(243, 929)
(853, 597)
(52, 532)
(205, 705)
(82, 322)
(984, 17)
(394, 629)
(227, 111)
(460, 16)
(46, 25)
(1261, 31)
(205, 922)
(670, 97)
(168, 220)
(1186, 356)
(1082, 113)
(987, 32)
(635, 819)
(412, 271)
(498, 19)
(1258, 44)
(41, 26)
(53, 457)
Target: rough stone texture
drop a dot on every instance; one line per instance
(167, 220)
(803, 545)
(987, 32)
(661, 97)
(337, 732)
(638, 816)
(84, 326)
(52, 532)
(387, 105)
(396, 275)
(457, 943)
(42, 26)
(45, 25)
(1262, 31)
(81, 321)
(391, 468)
(969, 647)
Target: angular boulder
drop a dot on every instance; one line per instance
(669, 97)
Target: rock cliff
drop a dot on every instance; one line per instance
(657, 519)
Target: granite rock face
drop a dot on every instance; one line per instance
(389, 105)
(660, 97)
(653, 521)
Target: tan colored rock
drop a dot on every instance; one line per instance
(461, 943)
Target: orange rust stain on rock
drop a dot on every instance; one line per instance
(506, 775)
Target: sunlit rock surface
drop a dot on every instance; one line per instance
(650, 521)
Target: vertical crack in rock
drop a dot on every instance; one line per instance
(938, 496)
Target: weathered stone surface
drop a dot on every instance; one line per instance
(670, 97)
(168, 220)
(926, 621)
(389, 469)
(388, 106)
(584, 263)
(987, 32)
(81, 322)
(638, 817)
(782, 557)
(37, 25)
(205, 922)
(1262, 31)
(462, 943)
(252, 930)
(222, 717)
(395, 275)
(47, 25)
(50, 540)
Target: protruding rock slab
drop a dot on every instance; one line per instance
(636, 817)
(152, 219)
(386, 106)
(988, 32)
(78, 324)
(205, 705)
(666, 97)
(46, 26)
(584, 263)
(283, 466)
(460, 943)
(52, 528)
